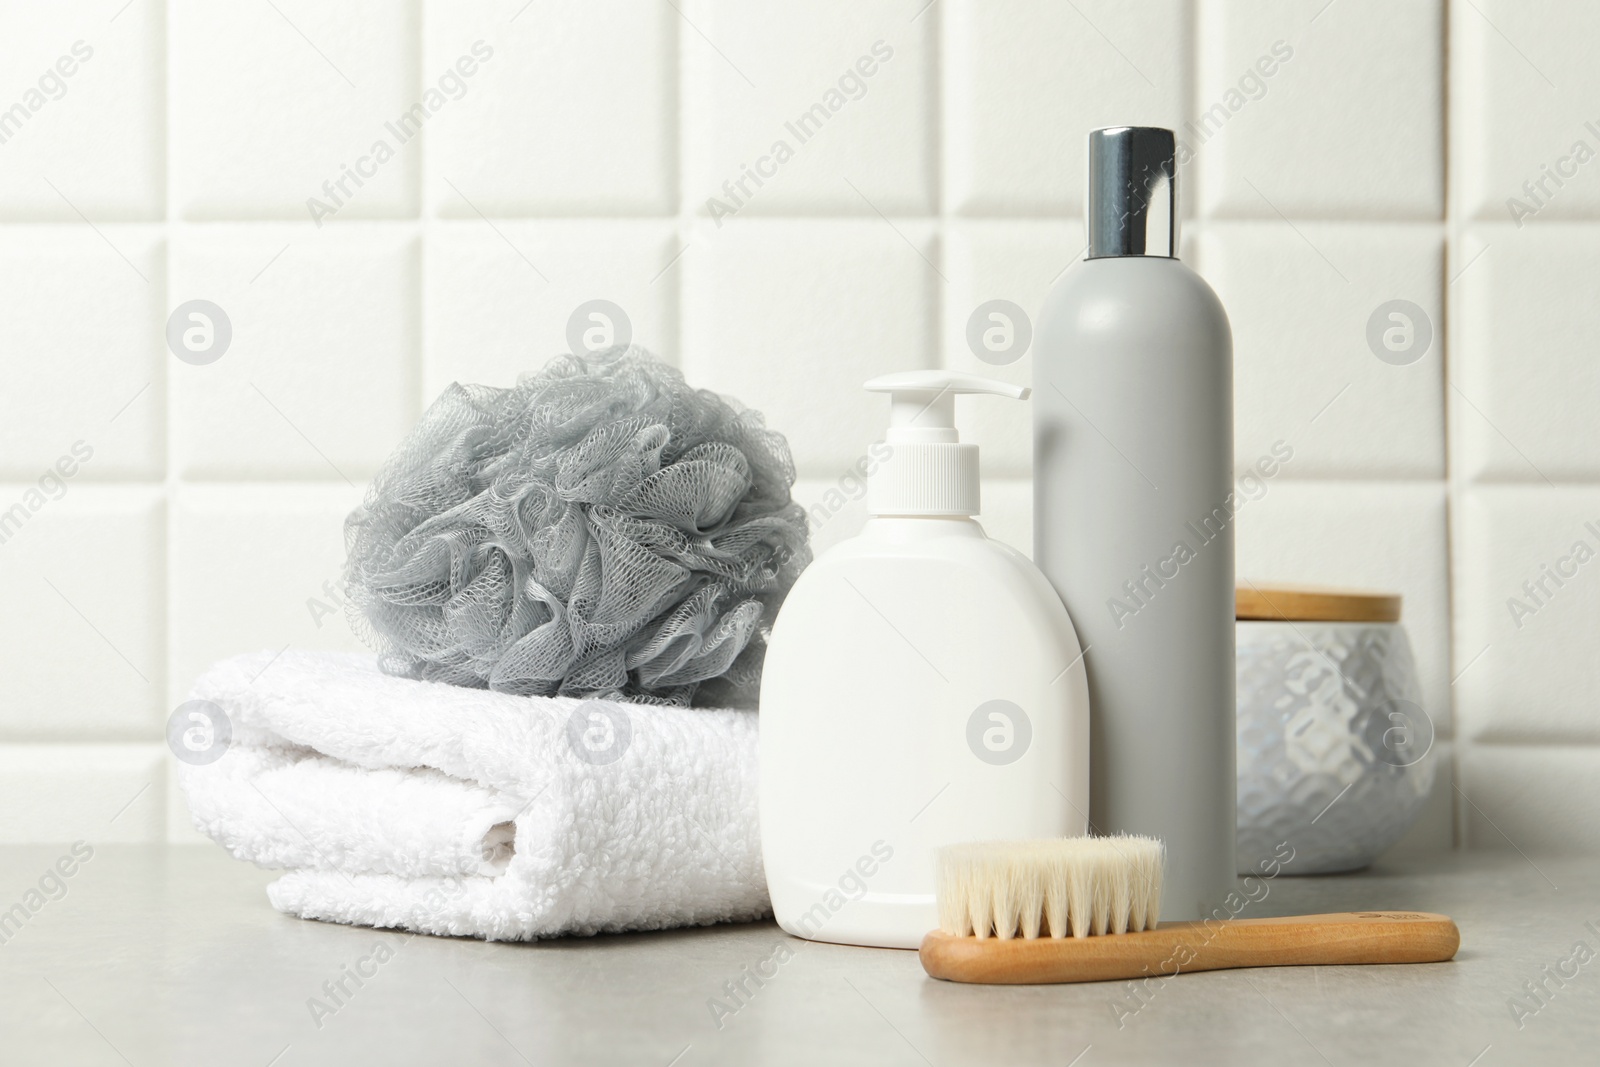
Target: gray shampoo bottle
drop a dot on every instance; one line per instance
(1133, 515)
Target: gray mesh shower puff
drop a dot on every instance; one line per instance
(600, 529)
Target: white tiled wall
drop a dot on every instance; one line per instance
(1342, 155)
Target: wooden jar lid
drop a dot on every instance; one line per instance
(1314, 603)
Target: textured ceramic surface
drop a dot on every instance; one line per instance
(1334, 746)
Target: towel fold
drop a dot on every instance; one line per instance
(429, 807)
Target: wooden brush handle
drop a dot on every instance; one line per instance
(1176, 948)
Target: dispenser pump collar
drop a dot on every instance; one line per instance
(928, 471)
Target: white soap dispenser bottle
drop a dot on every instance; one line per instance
(923, 686)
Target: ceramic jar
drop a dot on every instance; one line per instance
(1334, 748)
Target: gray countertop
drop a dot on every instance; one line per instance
(172, 955)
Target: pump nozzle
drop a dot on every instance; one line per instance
(929, 471)
(925, 400)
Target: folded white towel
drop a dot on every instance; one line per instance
(429, 807)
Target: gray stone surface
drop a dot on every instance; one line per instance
(173, 956)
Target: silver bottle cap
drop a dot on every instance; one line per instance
(1133, 195)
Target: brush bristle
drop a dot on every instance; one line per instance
(1066, 885)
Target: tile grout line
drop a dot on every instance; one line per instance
(1447, 406)
(1447, 422)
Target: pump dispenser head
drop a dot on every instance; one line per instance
(929, 471)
